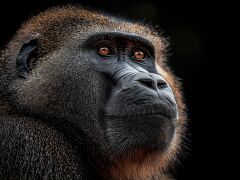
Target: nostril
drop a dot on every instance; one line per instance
(161, 84)
(150, 83)
(146, 82)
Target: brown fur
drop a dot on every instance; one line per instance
(57, 25)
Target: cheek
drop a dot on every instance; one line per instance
(85, 91)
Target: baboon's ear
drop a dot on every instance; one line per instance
(24, 57)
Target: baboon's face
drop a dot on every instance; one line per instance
(140, 110)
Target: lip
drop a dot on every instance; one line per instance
(135, 116)
(165, 111)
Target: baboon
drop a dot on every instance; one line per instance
(84, 95)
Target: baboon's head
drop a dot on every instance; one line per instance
(104, 75)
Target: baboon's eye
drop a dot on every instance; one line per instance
(104, 51)
(138, 54)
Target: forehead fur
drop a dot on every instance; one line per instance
(53, 26)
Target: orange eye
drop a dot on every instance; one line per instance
(104, 51)
(138, 54)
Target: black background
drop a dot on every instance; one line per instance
(194, 31)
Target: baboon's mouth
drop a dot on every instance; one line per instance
(147, 115)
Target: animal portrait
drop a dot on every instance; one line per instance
(85, 95)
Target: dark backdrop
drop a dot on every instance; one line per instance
(193, 30)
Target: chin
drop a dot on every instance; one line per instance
(141, 146)
(143, 135)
